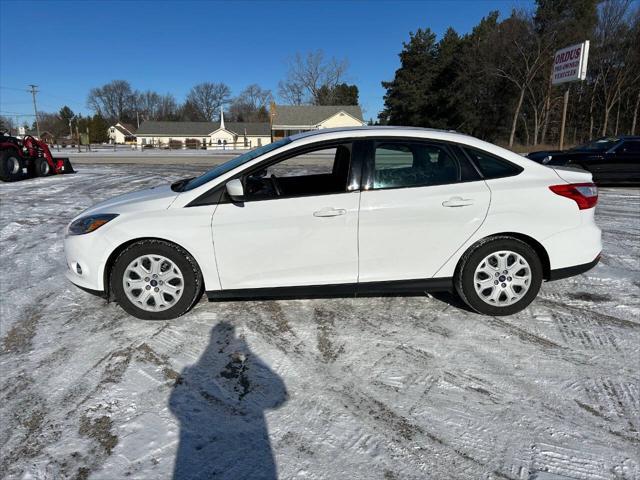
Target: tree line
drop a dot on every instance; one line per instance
(310, 79)
(495, 82)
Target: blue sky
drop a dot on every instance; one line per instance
(68, 47)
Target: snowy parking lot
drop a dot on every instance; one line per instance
(369, 388)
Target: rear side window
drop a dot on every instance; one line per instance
(491, 166)
(400, 164)
(630, 147)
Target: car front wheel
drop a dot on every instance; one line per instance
(499, 276)
(155, 280)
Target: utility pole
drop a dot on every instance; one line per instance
(564, 117)
(138, 118)
(35, 108)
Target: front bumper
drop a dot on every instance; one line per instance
(86, 257)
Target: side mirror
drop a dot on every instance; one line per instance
(235, 190)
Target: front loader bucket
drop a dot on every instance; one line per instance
(63, 165)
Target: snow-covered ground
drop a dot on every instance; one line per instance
(368, 388)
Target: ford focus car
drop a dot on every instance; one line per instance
(338, 212)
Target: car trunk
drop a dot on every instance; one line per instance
(572, 175)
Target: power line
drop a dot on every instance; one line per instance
(4, 112)
(67, 101)
(13, 88)
(75, 103)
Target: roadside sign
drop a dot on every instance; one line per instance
(570, 63)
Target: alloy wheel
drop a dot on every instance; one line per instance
(153, 283)
(502, 278)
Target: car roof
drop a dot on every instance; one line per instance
(371, 129)
(615, 138)
(410, 132)
(353, 133)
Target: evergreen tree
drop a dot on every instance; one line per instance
(341, 94)
(66, 114)
(409, 94)
(446, 109)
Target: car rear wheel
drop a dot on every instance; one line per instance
(499, 276)
(156, 280)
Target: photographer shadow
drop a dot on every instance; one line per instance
(220, 402)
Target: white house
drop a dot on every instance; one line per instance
(285, 120)
(232, 135)
(290, 119)
(121, 133)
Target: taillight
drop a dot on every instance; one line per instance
(584, 194)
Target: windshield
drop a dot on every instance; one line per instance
(599, 145)
(231, 164)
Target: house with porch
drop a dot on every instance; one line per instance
(291, 119)
(121, 133)
(211, 135)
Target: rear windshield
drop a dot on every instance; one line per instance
(234, 163)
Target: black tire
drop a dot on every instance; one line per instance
(11, 166)
(465, 272)
(192, 287)
(42, 167)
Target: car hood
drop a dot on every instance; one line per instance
(155, 198)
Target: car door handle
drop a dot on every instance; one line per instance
(330, 212)
(458, 202)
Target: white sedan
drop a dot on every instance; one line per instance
(347, 211)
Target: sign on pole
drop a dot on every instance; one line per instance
(570, 63)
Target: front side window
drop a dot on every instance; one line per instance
(491, 166)
(318, 172)
(409, 164)
(234, 163)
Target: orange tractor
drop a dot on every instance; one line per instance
(28, 157)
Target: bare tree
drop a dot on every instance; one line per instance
(153, 106)
(616, 52)
(114, 101)
(6, 123)
(307, 75)
(251, 105)
(207, 98)
(520, 60)
(292, 93)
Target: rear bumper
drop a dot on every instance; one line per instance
(566, 272)
(575, 246)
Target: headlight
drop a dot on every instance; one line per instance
(89, 224)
